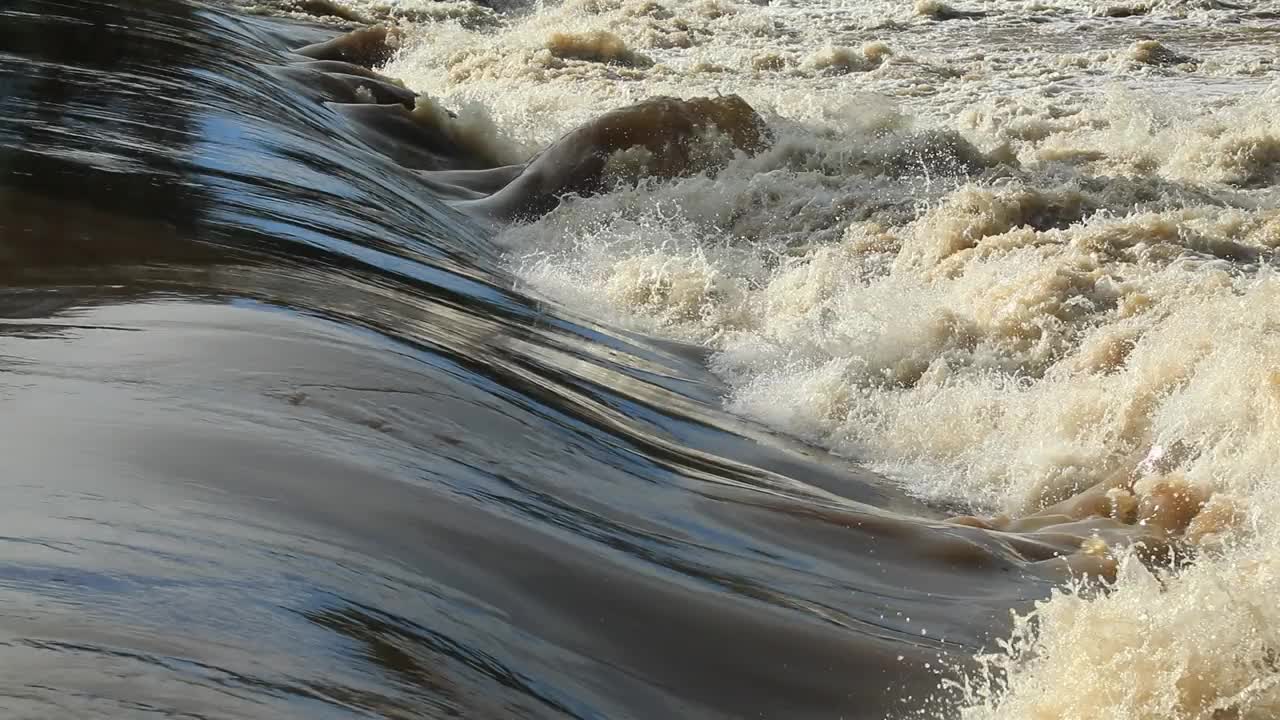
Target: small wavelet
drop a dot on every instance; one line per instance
(636, 358)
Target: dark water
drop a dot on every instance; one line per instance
(280, 441)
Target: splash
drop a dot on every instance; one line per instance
(1197, 644)
(840, 60)
(1036, 285)
(658, 138)
(598, 46)
(1016, 344)
(938, 10)
(1152, 52)
(329, 8)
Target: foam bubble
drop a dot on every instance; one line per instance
(1024, 276)
(1152, 52)
(471, 129)
(596, 46)
(1199, 643)
(845, 60)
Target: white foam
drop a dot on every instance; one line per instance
(1002, 263)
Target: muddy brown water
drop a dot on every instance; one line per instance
(281, 441)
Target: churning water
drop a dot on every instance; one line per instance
(639, 359)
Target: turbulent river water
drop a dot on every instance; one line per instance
(905, 362)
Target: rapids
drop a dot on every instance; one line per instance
(618, 359)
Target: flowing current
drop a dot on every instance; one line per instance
(906, 361)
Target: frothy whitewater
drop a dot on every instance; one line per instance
(1002, 252)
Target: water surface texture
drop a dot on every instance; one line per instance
(298, 422)
(281, 440)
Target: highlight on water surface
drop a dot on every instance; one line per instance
(1033, 341)
(1014, 262)
(1057, 314)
